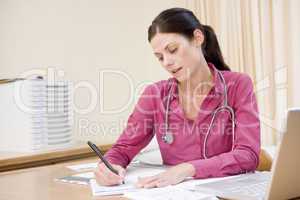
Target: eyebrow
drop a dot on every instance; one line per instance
(156, 53)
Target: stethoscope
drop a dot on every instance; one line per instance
(168, 137)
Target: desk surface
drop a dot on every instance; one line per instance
(11, 160)
(38, 183)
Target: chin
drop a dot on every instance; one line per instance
(181, 78)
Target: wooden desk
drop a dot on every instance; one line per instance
(38, 183)
(12, 161)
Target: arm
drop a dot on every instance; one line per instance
(138, 132)
(245, 156)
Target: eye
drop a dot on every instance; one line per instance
(173, 50)
(160, 58)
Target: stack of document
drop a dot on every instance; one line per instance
(35, 115)
(184, 190)
(132, 175)
(180, 191)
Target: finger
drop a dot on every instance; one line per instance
(121, 172)
(108, 173)
(163, 183)
(146, 181)
(113, 178)
(105, 181)
(105, 178)
(99, 163)
(151, 184)
(99, 178)
(142, 181)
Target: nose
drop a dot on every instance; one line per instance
(168, 62)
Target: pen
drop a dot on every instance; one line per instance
(99, 154)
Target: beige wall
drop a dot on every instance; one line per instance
(82, 38)
(294, 45)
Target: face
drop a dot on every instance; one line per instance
(178, 55)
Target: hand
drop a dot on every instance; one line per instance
(171, 176)
(106, 177)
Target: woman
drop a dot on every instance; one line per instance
(180, 111)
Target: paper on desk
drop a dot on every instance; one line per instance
(170, 193)
(85, 175)
(191, 183)
(82, 178)
(132, 174)
(184, 190)
(111, 190)
(83, 167)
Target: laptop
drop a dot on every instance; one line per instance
(283, 182)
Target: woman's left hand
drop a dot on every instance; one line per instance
(171, 176)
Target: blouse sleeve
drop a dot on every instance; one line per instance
(138, 132)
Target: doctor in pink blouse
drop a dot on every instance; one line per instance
(205, 117)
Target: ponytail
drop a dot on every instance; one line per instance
(211, 49)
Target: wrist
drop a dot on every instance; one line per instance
(189, 169)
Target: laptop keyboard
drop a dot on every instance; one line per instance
(256, 189)
(246, 186)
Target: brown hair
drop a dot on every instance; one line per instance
(184, 22)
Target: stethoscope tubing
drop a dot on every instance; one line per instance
(224, 107)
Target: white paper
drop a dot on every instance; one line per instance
(132, 175)
(111, 190)
(83, 167)
(81, 179)
(191, 183)
(86, 175)
(184, 190)
(170, 193)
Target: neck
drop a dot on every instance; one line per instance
(199, 82)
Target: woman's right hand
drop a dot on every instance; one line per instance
(106, 177)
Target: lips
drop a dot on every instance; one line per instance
(174, 71)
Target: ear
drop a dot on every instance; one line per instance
(198, 37)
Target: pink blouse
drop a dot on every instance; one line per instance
(148, 119)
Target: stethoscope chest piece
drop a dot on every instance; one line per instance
(168, 137)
